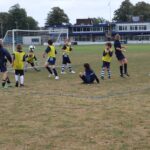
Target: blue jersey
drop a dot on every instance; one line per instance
(117, 44)
(90, 76)
(4, 55)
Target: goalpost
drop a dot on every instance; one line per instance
(38, 38)
(34, 37)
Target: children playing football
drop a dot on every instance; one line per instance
(119, 49)
(18, 65)
(51, 52)
(88, 76)
(107, 56)
(31, 58)
(66, 63)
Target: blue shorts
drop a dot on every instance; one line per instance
(3, 68)
(66, 59)
(51, 61)
(106, 64)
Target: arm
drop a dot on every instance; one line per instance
(110, 53)
(46, 51)
(8, 56)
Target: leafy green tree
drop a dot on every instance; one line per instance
(56, 17)
(99, 20)
(32, 24)
(142, 9)
(122, 14)
(3, 23)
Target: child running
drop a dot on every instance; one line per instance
(66, 62)
(31, 59)
(51, 52)
(107, 56)
(4, 56)
(88, 77)
(18, 65)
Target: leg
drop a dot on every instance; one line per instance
(103, 73)
(109, 73)
(4, 79)
(26, 66)
(82, 76)
(21, 78)
(126, 67)
(17, 78)
(63, 65)
(48, 68)
(55, 72)
(70, 68)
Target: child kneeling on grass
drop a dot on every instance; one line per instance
(88, 76)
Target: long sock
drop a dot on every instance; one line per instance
(63, 67)
(121, 70)
(55, 72)
(22, 79)
(125, 68)
(16, 78)
(103, 72)
(3, 83)
(109, 73)
(49, 70)
(69, 67)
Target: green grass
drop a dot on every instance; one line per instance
(67, 115)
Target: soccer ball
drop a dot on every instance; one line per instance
(31, 48)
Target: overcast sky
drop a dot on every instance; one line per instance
(39, 9)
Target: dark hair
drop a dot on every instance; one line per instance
(19, 47)
(87, 66)
(50, 42)
(109, 44)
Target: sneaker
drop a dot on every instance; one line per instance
(127, 74)
(49, 75)
(57, 78)
(63, 72)
(73, 72)
(17, 84)
(21, 85)
(122, 76)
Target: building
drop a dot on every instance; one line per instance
(85, 30)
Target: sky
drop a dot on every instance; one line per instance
(39, 9)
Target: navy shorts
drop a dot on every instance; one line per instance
(3, 68)
(19, 72)
(106, 64)
(51, 61)
(120, 56)
(66, 59)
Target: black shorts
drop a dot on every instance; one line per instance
(120, 56)
(19, 72)
(31, 63)
(106, 64)
(66, 59)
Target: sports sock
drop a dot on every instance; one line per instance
(63, 68)
(125, 68)
(70, 67)
(103, 73)
(49, 70)
(16, 78)
(109, 73)
(55, 72)
(22, 79)
(121, 70)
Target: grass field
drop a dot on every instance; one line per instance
(67, 115)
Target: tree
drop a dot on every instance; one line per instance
(122, 14)
(56, 17)
(3, 23)
(32, 24)
(99, 20)
(142, 9)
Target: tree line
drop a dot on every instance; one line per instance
(16, 17)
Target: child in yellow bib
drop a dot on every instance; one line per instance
(18, 65)
(107, 57)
